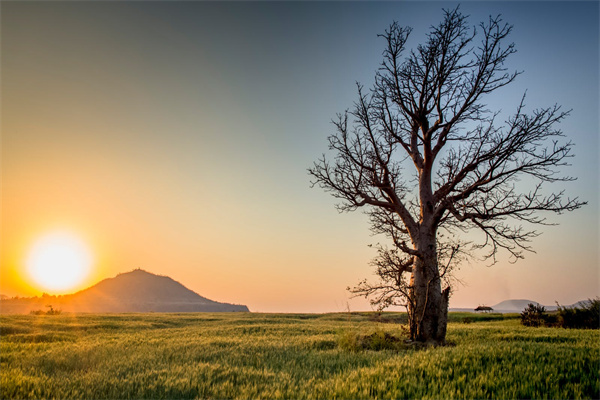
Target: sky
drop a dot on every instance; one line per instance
(176, 137)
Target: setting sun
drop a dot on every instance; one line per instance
(59, 261)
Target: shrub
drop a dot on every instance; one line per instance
(585, 317)
(551, 319)
(51, 311)
(534, 315)
(378, 340)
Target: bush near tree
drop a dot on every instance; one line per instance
(534, 315)
(586, 316)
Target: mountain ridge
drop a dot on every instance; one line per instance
(133, 291)
(138, 283)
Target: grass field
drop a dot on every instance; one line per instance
(286, 356)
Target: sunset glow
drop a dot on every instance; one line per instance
(175, 137)
(59, 261)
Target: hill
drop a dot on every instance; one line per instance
(512, 306)
(134, 291)
(518, 305)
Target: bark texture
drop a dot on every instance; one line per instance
(430, 301)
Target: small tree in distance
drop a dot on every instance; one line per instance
(425, 113)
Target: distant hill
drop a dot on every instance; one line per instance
(518, 305)
(513, 306)
(134, 291)
(506, 306)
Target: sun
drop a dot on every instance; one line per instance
(59, 261)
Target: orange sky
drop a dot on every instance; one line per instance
(175, 137)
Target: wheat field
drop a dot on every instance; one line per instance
(274, 356)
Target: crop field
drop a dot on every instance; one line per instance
(293, 356)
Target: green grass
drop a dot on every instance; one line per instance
(287, 356)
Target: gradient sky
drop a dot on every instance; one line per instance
(176, 137)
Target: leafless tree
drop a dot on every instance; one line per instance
(425, 113)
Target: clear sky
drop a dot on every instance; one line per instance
(176, 137)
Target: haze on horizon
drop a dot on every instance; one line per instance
(175, 137)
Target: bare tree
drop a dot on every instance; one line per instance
(425, 113)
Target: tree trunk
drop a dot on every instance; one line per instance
(429, 301)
